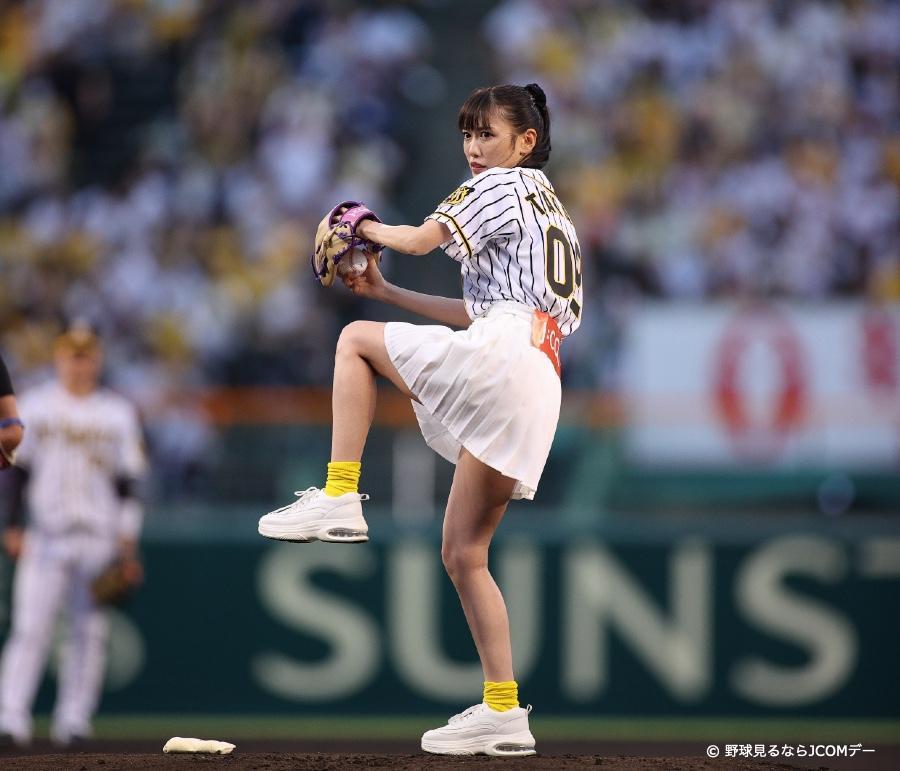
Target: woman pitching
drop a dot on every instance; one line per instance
(487, 396)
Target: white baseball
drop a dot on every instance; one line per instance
(353, 262)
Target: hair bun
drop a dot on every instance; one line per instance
(537, 93)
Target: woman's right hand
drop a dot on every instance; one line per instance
(13, 538)
(369, 284)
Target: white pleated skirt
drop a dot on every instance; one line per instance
(485, 388)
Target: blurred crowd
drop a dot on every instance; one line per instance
(720, 148)
(165, 165)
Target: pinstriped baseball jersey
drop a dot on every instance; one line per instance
(514, 241)
(75, 448)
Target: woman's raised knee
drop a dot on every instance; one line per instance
(353, 337)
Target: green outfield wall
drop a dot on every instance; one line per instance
(665, 619)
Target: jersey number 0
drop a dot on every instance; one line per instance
(563, 266)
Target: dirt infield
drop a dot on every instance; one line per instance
(332, 755)
(321, 761)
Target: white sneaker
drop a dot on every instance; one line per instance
(315, 516)
(482, 730)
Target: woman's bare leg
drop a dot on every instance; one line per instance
(360, 355)
(478, 499)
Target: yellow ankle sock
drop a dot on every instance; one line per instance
(343, 477)
(501, 696)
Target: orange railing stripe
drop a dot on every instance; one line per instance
(312, 406)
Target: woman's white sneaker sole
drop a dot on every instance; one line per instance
(315, 516)
(329, 531)
(498, 745)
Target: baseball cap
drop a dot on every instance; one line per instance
(79, 337)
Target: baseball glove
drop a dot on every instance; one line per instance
(336, 237)
(115, 584)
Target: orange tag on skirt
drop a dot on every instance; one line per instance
(545, 335)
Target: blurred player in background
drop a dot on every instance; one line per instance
(11, 426)
(78, 466)
(487, 397)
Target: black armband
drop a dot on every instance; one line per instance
(6, 388)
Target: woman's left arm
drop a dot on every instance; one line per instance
(408, 239)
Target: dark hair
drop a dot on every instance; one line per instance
(524, 107)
